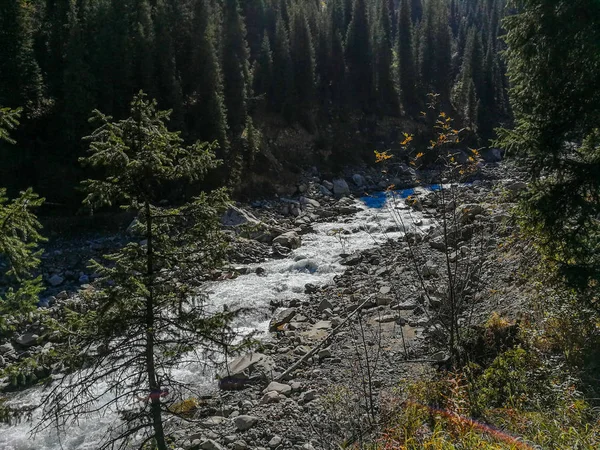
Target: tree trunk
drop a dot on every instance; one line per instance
(153, 384)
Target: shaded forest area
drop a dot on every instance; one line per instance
(234, 70)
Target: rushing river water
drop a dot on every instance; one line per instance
(317, 261)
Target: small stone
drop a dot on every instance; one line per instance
(245, 422)
(275, 442)
(280, 388)
(209, 444)
(240, 445)
(269, 397)
(385, 290)
(310, 288)
(56, 280)
(325, 304)
(308, 396)
(324, 353)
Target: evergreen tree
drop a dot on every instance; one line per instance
(263, 71)
(283, 72)
(146, 312)
(386, 91)
(468, 85)
(207, 114)
(236, 68)
(168, 84)
(19, 240)
(407, 76)
(554, 68)
(20, 77)
(359, 59)
(303, 57)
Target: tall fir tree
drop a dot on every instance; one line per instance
(21, 81)
(387, 97)
(407, 76)
(236, 68)
(359, 58)
(283, 72)
(206, 111)
(146, 312)
(303, 57)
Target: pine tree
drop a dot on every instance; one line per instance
(20, 77)
(407, 76)
(146, 312)
(553, 63)
(283, 72)
(303, 58)
(359, 57)
(386, 91)
(207, 114)
(168, 79)
(263, 71)
(144, 44)
(236, 68)
(19, 240)
(468, 86)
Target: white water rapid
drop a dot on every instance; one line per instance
(317, 261)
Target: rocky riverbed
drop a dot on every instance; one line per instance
(333, 280)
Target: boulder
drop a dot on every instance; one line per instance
(245, 422)
(269, 397)
(245, 370)
(275, 442)
(6, 348)
(56, 280)
(324, 191)
(281, 318)
(280, 388)
(491, 155)
(27, 339)
(516, 187)
(235, 216)
(328, 185)
(291, 240)
(340, 187)
(358, 180)
(325, 304)
(308, 396)
(429, 270)
(209, 444)
(467, 212)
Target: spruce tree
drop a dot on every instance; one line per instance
(359, 57)
(21, 81)
(207, 114)
(19, 240)
(407, 76)
(283, 72)
(386, 90)
(303, 57)
(554, 68)
(236, 68)
(146, 311)
(263, 71)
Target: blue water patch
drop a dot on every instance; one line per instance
(377, 200)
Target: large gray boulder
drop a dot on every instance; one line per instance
(235, 217)
(246, 369)
(243, 423)
(340, 187)
(281, 318)
(291, 240)
(491, 155)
